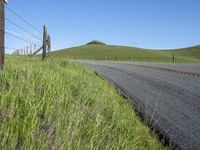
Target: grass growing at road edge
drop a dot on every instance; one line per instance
(57, 104)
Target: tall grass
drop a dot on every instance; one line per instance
(57, 104)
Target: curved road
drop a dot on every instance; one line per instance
(168, 101)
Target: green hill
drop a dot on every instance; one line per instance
(109, 52)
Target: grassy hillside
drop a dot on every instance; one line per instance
(108, 52)
(60, 105)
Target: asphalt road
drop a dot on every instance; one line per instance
(168, 101)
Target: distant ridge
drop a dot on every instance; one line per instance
(94, 50)
(94, 42)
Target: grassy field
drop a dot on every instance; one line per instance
(108, 52)
(57, 104)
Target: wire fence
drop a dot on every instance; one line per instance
(27, 32)
(29, 43)
(170, 57)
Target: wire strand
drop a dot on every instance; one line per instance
(28, 13)
(23, 29)
(17, 37)
(10, 10)
(10, 48)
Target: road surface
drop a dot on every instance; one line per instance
(168, 101)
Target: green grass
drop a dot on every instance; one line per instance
(108, 52)
(57, 104)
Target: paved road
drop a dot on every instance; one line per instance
(169, 101)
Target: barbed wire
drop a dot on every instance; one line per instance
(21, 18)
(17, 37)
(22, 36)
(10, 48)
(28, 13)
(22, 28)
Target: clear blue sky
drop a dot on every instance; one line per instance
(141, 23)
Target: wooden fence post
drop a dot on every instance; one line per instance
(2, 28)
(173, 58)
(49, 45)
(24, 52)
(27, 48)
(35, 47)
(30, 52)
(44, 52)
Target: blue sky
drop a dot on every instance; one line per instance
(140, 23)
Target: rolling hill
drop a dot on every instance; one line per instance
(111, 52)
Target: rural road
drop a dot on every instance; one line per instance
(168, 100)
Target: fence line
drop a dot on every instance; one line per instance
(170, 57)
(31, 48)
